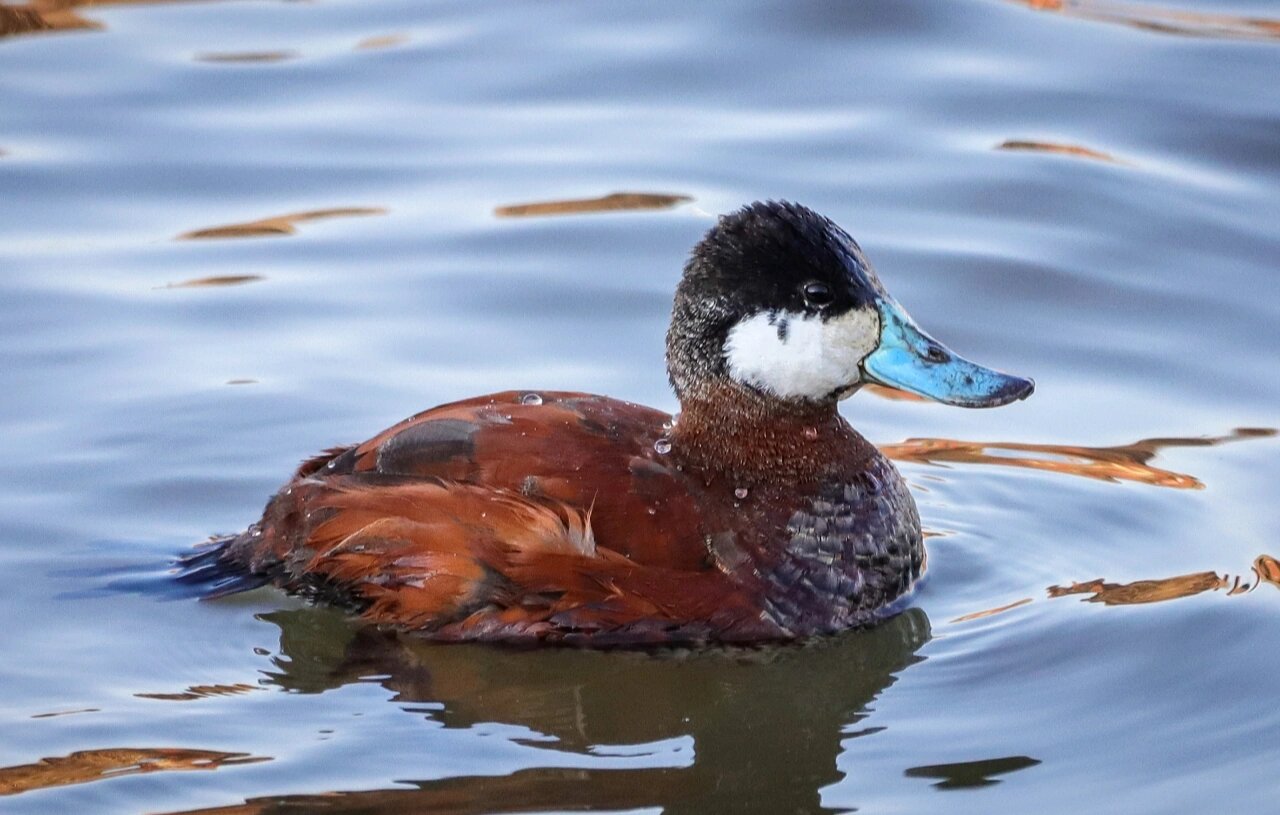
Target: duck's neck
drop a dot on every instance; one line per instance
(730, 430)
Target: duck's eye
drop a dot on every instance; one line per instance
(817, 294)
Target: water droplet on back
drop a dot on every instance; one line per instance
(740, 493)
(662, 446)
(531, 399)
(811, 433)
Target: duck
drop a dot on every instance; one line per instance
(756, 514)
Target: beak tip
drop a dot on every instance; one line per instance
(1018, 389)
(1014, 389)
(1028, 388)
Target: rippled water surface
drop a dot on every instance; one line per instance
(233, 233)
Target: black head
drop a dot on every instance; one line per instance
(781, 300)
(772, 258)
(780, 256)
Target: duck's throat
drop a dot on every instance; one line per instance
(741, 433)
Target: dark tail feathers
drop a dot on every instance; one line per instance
(213, 574)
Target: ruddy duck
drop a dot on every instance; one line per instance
(755, 514)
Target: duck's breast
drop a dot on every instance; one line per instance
(852, 547)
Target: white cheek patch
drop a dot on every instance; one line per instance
(793, 355)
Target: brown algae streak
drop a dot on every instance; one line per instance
(84, 766)
(1126, 462)
(614, 202)
(278, 224)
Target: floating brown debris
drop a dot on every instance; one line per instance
(248, 56)
(95, 765)
(608, 203)
(1163, 20)
(201, 692)
(381, 41)
(1060, 149)
(277, 225)
(241, 382)
(216, 280)
(1128, 462)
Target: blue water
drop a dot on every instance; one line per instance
(1131, 271)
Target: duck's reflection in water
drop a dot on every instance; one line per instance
(765, 737)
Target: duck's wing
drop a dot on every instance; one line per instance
(465, 562)
(586, 452)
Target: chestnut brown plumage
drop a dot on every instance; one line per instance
(757, 514)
